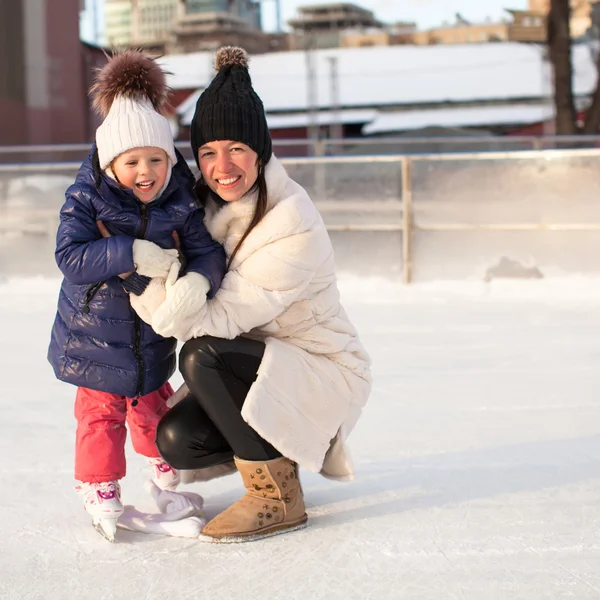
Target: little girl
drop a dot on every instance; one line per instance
(131, 207)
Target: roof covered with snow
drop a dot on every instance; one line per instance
(395, 75)
(464, 116)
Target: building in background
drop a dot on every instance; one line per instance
(182, 26)
(208, 24)
(463, 32)
(324, 26)
(117, 23)
(398, 33)
(43, 85)
(140, 23)
(528, 26)
(484, 89)
(581, 12)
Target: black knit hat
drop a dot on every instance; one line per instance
(230, 109)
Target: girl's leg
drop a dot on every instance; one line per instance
(219, 374)
(100, 436)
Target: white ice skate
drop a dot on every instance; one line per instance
(163, 474)
(103, 502)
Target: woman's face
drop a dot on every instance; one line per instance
(230, 169)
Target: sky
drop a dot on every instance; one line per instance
(426, 13)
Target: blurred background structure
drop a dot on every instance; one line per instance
(454, 145)
(332, 70)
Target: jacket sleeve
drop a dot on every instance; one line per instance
(82, 254)
(202, 254)
(261, 288)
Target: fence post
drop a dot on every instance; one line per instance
(406, 219)
(320, 175)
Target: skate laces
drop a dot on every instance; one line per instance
(165, 476)
(107, 493)
(160, 464)
(105, 490)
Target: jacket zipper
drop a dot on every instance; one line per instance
(137, 326)
(91, 292)
(144, 211)
(138, 357)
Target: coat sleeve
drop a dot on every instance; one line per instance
(82, 254)
(203, 255)
(262, 287)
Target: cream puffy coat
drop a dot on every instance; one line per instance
(281, 288)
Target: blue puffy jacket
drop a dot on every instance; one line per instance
(98, 341)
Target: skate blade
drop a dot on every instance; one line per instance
(107, 528)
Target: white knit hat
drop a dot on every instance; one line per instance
(128, 93)
(132, 123)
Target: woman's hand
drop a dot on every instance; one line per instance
(184, 299)
(150, 300)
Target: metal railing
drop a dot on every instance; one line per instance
(363, 146)
(409, 194)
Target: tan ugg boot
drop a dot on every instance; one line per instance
(273, 504)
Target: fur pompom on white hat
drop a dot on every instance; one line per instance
(129, 93)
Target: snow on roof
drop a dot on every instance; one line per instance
(327, 117)
(188, 71)
(302, 119)
(187, 108)
(395, 75)
(468, 116)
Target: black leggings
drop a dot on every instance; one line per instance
(206, 428)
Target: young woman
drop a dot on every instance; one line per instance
(275, 372)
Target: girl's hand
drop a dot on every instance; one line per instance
(106, 234)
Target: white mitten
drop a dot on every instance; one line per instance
(152, 260)
(134, 520)
(181, 514)
(148, 302)
(184, 299)
(176, 505)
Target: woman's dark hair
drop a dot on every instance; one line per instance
(202, 192)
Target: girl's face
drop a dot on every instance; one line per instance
(230, 169)
(142, 170)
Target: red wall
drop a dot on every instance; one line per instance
(66, 115)
(13, 122)
(51, 106)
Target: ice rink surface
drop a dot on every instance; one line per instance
(477, 463)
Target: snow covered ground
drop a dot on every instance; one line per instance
(478, 463)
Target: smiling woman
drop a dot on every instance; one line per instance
(276, 376)
(229, 168)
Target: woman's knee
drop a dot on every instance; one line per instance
(171, 439)
(198, 353)
(186, 437)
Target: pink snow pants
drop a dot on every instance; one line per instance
(101, 432)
